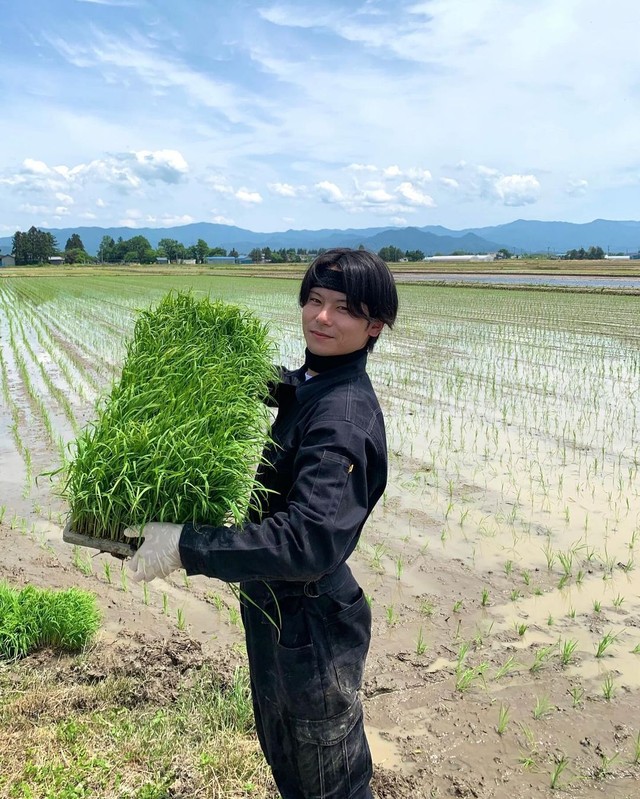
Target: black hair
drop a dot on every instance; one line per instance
(368, 284)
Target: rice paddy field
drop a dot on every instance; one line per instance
(501, 565)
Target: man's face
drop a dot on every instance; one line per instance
(329, 328)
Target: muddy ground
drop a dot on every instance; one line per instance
(432, 723)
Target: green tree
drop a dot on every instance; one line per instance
(256, 255)
(170, 248)
(414, 255)
(33, 247)
(219, 252)
(201, 250)
(390, 254)
(107, 250)
(233, 253)
(74, 242)
(503, 253)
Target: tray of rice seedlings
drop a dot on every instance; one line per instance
(179, 435)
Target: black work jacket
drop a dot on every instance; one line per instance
(324, 473)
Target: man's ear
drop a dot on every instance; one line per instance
(375, 328)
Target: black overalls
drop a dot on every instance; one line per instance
(307, 623)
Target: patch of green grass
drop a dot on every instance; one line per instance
(108, 742)
(31, 618)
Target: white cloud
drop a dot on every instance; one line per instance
(398, 221)
(518, 190)
(222, 220)
(283, 189)
(246, 196)
(64, 198)
(362, 168)
(414, 196)
(329, 192)
(392, 171)
(577, 188)
(449, 183)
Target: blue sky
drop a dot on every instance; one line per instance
(276, 115)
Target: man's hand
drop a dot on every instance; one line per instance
(159, 555)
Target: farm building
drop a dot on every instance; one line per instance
(485, 257)
(617, 257)
(7, 260)
(228, 259)
(56, 260)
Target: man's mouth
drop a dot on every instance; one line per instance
(319, 335)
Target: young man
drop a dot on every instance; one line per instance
(306, 620)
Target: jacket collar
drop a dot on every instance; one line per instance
(307, 390)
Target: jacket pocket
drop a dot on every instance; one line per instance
(329, 483)
(349, 636)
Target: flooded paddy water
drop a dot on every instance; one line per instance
(502, 563)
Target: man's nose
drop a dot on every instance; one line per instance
(324, 316)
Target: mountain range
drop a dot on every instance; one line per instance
(521, 236)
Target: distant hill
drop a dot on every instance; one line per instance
(532, 236)
(519, 236)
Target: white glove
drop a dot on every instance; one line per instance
(159, 555)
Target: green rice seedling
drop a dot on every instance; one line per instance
(635, 759)
(617, 601)
(526, 577)
(465, 678)
(508, 567)
(507, 667)
(216, 600)
(399, 567)
(571, 613)
(181, 621)
(608, 688)
(392, 617)
(566, 561)
(560, 765)
(604, 769)
(463, 651)
(566, 651)
(3, 510)
(165, 604)
(124, 580)
(604, 643)
(636, 650)
(550, 620)
(427, 608)
(234, 617)
(542, 707)
(80, 562)
(421, 644)
(31, 618)
(515, 595)
(576, 692)
(457, 606)
(580, 577)
(368, 599)
(520, 627)
(503, 719)
(185, 579)
(541, 657)
(597, 606)
(107, 571)
(564, 579)
(181, 432)
(145, 593)
(484, 600)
